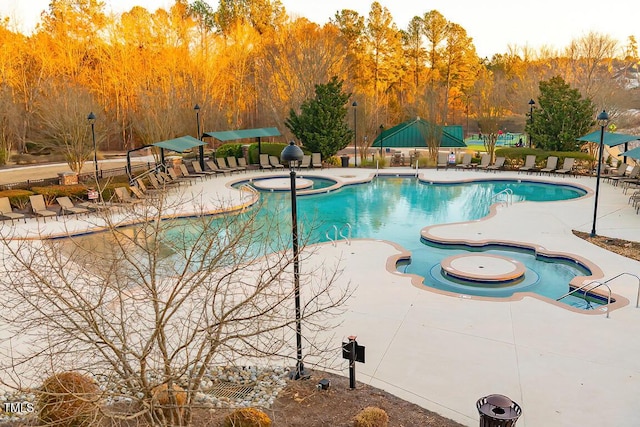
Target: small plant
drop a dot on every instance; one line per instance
(68, 399)
(247, 417)
(371, 416)
(170, 403)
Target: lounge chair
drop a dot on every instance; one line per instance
(499, 164)
(137, 192)
(39, 207)
(552, 163)
(6, 211)
(141, 185)
(197, 169)
(222, 164)
(233, 164)
(242, 163)
(68, 207)
(484, 162)
(633, 175)
(275, 162)
(466, 162)
(214, 168)
(620, 172)
(123, 196)
(187, 174)
(316, 160)
(567, 166)
(443, 160)
(264, 162)
(305, 162)
(529, 164)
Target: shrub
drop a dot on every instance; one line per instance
(162, 398)
(247, 417)
(18, 198)
(229, 150)
(50, 193)
(371, 416)
(270, 148)
(68, 399)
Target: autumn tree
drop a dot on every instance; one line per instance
(160, 303)
(562, 116)
(321, 124)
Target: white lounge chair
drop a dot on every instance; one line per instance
(529, 164)
(264, 162)
(552, 163)
(499, 164)
(567, 166)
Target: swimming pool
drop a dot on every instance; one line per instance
(397, 209)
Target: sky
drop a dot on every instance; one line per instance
(494, 25)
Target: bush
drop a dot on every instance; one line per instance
(68, 399)
(371, 416)
(18, 198)
(50, 193)
(247, 417)
(230, 150)
(270, 148)
(162, 398)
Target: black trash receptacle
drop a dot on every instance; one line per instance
(345, 161)
(497, 410)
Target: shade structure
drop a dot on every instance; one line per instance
(230, 135)
(414, 134)
(610, 139)
(634, 153)
(179, 145)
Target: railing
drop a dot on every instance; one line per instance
(339, 233)
(347, 238)
(508, 192)
(598, 284)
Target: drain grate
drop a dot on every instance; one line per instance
(230, 391)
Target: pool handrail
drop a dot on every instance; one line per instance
(583, 287)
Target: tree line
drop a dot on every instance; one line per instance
(247, 64)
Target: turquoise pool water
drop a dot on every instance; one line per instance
(396, 209)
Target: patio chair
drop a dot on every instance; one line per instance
(233, 164)
(305, 162)
(39, 207)
(145, 190)
(619, 172)
(567, 166)
(633, 175)
(443, 160)
(552, 163)
(242, 163)
(484, 162)
(498, 165)
(123, 196)
(197, 169)
(275, 162)
(187, 174)
(214, 168)
(529, 164)
(137, 192)
(264, 162)
(466, 162)
(67, 206)
(316, 160)
(6, 211)
(173, 177)
(222, 164)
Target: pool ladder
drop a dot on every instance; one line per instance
(509, 196)
(339, 233)
(596, 284)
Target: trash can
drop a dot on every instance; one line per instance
(345, 161)
(497, 410)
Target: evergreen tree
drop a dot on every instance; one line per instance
(321, 124)
(563, 116)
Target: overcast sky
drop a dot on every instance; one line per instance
(493, 24)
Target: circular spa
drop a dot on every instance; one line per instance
(283, 183)
(483, 269)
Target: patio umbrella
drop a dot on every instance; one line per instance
(634, 153)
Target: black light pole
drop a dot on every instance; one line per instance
(603, 119)
(200, 148)
(92, 120)
(355, 133)
(293, 155)
(531, 104)
(381, 139)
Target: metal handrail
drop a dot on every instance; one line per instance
(348, 236)
(335, 236)
(584, 289)
(508, 192)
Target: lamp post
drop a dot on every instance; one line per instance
(92, 120)
(196, 108)
(293, 155)
(603, 119)
(355, 133)
(381, 139)
(531, 104)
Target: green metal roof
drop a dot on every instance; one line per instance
(610, 139)
(229, 135)
(180, 145)
(414, 133)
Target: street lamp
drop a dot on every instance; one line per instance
(531, 104)
(603, 119)
(355, 133)
(92, 120)
(200, 148)
(381, 139)
(293, 155)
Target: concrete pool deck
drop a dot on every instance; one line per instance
(445, 351)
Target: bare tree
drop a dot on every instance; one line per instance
(159, 303)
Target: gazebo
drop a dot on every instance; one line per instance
(414, 134)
